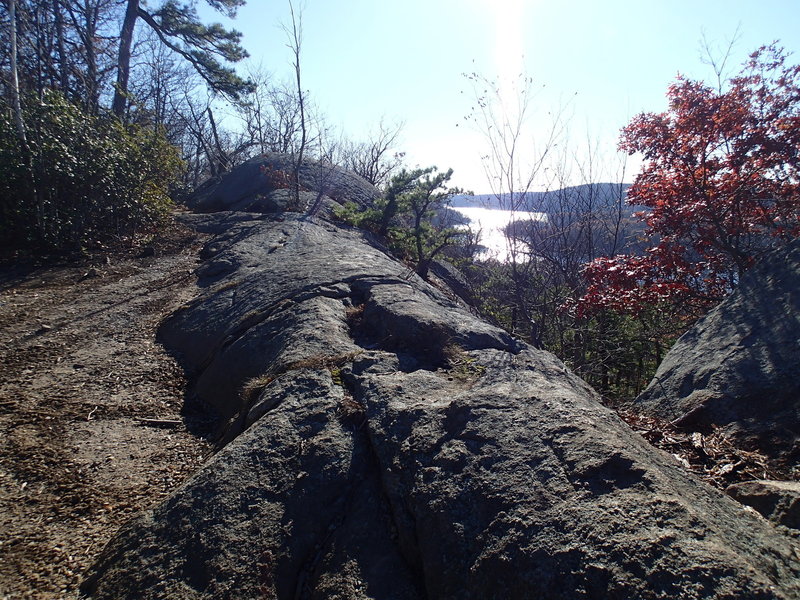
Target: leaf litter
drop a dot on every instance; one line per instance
(93, 425)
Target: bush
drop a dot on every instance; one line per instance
(82, 180)
(405, 216)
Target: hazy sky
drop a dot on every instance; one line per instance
(603, 61)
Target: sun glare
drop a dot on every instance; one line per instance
(508, 39)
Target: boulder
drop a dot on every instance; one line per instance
(738, 368)
(262, 184)
(778, 501)
(453, 279)
(385, 443)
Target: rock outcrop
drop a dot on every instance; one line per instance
(385, 443)
(738, 368)
(778, 501)
(261, 185)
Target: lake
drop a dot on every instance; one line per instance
(491, 223)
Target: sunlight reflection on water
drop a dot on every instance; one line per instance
(491, 223)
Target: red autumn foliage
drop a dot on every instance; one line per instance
(721, 181)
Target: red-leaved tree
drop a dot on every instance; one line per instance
(721, 181)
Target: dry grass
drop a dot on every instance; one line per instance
(351, 411)
(331, 362)
(354, 314)
(255, 385)
(225, 286)
(461, 365)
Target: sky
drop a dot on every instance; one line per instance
(595, 63)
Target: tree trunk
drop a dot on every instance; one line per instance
(19, 123)
(294, 44)
(92, 78)
(220, 157)
(388, 213)
(63, 68)
(124, 59)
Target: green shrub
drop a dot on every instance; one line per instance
(405, 214)
(84, 180)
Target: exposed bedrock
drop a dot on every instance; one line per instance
(261, 185)
(778, 501)
(385, 443)
(738, 368)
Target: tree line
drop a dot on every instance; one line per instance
(91, 88)
(99, 102)
(612, 277)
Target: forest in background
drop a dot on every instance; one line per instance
(111, 114)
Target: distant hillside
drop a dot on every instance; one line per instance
(549, 201)
(571, 212)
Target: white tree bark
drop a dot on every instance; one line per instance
(17, 107)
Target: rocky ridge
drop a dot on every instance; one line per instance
(382, 442)
(261, 185)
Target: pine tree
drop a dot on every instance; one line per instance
(179, 28)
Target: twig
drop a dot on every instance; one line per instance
(159, 422)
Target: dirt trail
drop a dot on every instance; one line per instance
(80, 374)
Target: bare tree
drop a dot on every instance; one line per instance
(375, 159)
(271, 113)
(717, 58)
(89, 35)
(295, 35)
(209, 149)
(514, 160)
(586, 217)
